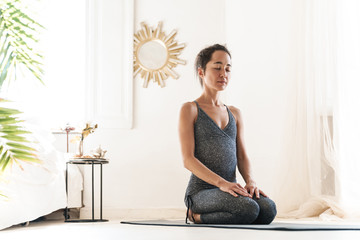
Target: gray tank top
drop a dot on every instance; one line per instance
(215, 148)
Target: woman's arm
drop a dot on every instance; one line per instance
(188, 115)
(244, 165)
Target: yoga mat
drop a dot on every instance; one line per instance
(282, 226)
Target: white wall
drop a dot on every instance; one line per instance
(145, 170)
(264, 37)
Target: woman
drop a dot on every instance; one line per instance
(212, 145)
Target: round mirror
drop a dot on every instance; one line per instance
(152, 55)
(156, 54)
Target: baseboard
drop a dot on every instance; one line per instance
(135, 214)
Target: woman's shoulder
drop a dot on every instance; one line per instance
(188, 113)
(236, 112)
(189, 108)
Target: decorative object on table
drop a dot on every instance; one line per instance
(98, 152)
(156, 54)
(85, 132)
(68, 129)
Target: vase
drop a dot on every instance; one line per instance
(81, 148)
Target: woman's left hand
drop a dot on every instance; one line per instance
(252, 188)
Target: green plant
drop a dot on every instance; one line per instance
(14, 145)
(18, 37)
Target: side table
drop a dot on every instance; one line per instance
(92, 162)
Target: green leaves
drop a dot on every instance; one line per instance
(8, 112)
(4, 160)
(20, 146)
(19, 34)
(14, 145)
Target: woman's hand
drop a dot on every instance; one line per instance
(252, 188)
(234, 189)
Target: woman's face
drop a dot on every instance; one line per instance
(218, 71)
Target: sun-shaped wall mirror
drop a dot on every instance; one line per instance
(156, 54)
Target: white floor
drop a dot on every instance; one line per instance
(56, 229)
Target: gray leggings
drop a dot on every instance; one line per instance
(218, 207)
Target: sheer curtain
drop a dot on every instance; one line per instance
(321, 176)
(347, 108)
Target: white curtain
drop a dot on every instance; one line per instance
(347, 108)
(320, 178)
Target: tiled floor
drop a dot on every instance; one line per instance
(114, 230)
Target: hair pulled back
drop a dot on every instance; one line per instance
(204, 56)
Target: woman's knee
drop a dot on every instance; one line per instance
(267, 211)
(247, 211)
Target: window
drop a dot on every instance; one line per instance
(84, 45)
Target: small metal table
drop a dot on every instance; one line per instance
(92, 162)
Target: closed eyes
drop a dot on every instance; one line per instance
(226, 69)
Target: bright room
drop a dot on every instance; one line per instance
(91, 126)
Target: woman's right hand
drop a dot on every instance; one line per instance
(234, 189)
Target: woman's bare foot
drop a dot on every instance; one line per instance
(197, 218)
(194, 217)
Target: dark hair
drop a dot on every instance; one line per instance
(204, 57)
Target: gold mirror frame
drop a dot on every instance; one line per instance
(157, 73)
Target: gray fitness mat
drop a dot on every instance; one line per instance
(282, 226)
